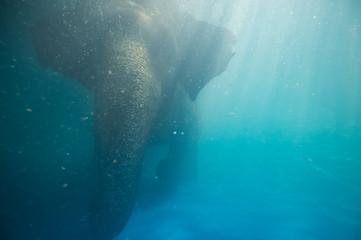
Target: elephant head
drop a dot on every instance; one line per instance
(132, 56)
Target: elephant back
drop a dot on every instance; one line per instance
(73, 41)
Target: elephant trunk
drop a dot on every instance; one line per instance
(126, 104)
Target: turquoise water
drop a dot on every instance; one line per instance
(280, 147)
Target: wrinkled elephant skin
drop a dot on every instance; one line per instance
(145, 63)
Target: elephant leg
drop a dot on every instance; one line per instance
(180, 166)
(125, 106)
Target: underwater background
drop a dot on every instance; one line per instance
(280, 150)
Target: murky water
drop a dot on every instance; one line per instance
(281, 132)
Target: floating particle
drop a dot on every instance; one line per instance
(63, 168)
(65, 185)
(174, 132)
(28, 109)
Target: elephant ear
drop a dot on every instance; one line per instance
(205, 52)
(67, 43)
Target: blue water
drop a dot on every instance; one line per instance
(279, 155)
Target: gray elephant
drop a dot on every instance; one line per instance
(146, 62)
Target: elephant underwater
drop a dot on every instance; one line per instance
(145, 62)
